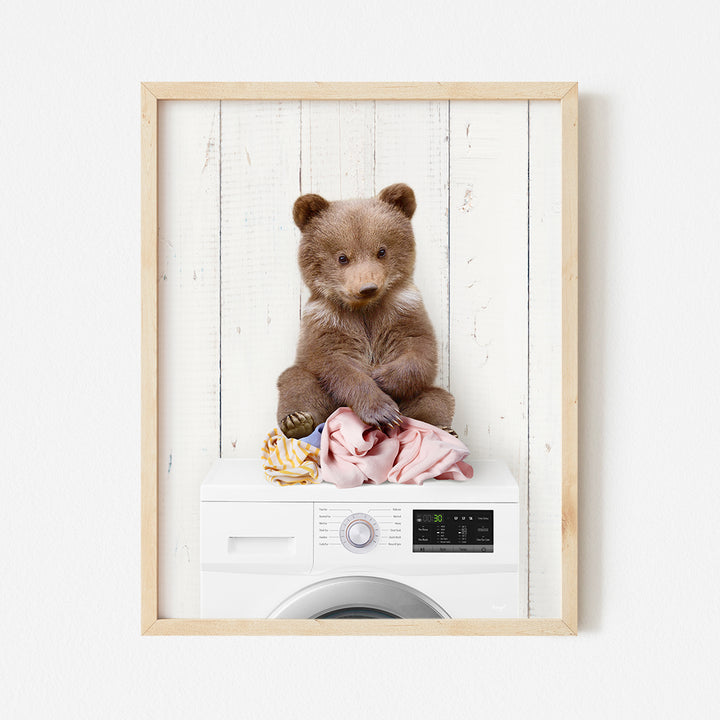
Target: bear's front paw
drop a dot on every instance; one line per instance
(383, 414)
(449, 430)
(297, 425)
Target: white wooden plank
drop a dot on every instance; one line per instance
(338, 151)
(545, 370)
(412, 147)
(488, 293)
(260, 280)
(338, 143)
(188, 340)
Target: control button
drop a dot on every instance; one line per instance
(359, 533)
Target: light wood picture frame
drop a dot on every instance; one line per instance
(563, 158)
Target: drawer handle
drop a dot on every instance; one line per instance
(261, 545)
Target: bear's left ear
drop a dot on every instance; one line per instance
(400, 196)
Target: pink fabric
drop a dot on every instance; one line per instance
(353, 453)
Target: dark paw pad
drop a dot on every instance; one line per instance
(297, 425)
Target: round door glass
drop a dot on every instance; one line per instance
(357, 613)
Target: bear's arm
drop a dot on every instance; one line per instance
(409, 357)
(340, 363)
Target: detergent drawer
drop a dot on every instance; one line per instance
(256, 537)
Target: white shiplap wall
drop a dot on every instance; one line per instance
(188, 337)
(488, 288)
(545, 359)
(260, 285)
(487, 179)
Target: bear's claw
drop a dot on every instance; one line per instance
(449, 430)
(384, 418)
(297, 425)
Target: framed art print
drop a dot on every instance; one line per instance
(486, 176)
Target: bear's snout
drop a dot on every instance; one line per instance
(368, 290)
(364, 282)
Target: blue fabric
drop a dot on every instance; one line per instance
(314, 437)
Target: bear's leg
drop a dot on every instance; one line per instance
(302, 403)
(434, 406)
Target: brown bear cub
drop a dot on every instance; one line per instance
(366, 341)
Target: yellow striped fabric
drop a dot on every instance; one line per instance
(290, 462)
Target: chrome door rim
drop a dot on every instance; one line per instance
(358, 592)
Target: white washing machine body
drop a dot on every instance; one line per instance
(441, 549)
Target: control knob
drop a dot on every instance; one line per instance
(359, 532)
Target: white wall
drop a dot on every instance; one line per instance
(69, 323)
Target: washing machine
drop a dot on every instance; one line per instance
(444, 549)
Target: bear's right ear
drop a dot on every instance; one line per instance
(307, 207)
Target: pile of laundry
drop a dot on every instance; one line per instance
(347, 452)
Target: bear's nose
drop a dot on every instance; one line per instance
(368, 290)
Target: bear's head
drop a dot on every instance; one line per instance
(353, 252)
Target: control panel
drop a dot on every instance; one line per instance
(358, 529)
(453, 530)
(417, 538)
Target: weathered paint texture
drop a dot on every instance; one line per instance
(486, 177)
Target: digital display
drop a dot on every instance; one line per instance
(432, 518)
(452, 531)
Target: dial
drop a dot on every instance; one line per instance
(359, 533)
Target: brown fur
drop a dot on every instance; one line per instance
(365, 341)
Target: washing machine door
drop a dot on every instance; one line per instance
(358, 597)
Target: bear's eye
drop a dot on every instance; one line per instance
(343, 260)
(381, 253)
